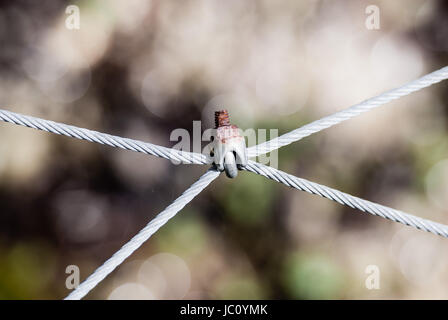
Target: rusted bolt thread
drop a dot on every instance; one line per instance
(222, 118)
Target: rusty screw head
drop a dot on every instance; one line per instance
(222, 118)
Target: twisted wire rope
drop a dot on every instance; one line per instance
(103, 271)
(347, 199)
(349, 113)
(103, 138)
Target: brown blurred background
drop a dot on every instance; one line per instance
(141, 69)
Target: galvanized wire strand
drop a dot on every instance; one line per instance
(102, 272)
(103, 138)
(349, 113)
(348, 200)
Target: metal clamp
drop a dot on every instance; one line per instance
(229, 147)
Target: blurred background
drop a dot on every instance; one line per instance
(141, 69)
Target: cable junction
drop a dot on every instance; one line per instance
(271, 173)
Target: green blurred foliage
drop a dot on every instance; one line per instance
(433, 150)
(258, 196)
(186, 237)
(243, 286)
(26, 271)
(312, 276)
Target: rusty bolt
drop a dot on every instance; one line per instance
(222, 118)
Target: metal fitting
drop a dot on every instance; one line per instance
(229, 147)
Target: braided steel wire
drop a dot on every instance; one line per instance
(348, 113)
(103, 138)
(152, 227)
(348, 200)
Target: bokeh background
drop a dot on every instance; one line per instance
(141, 69)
